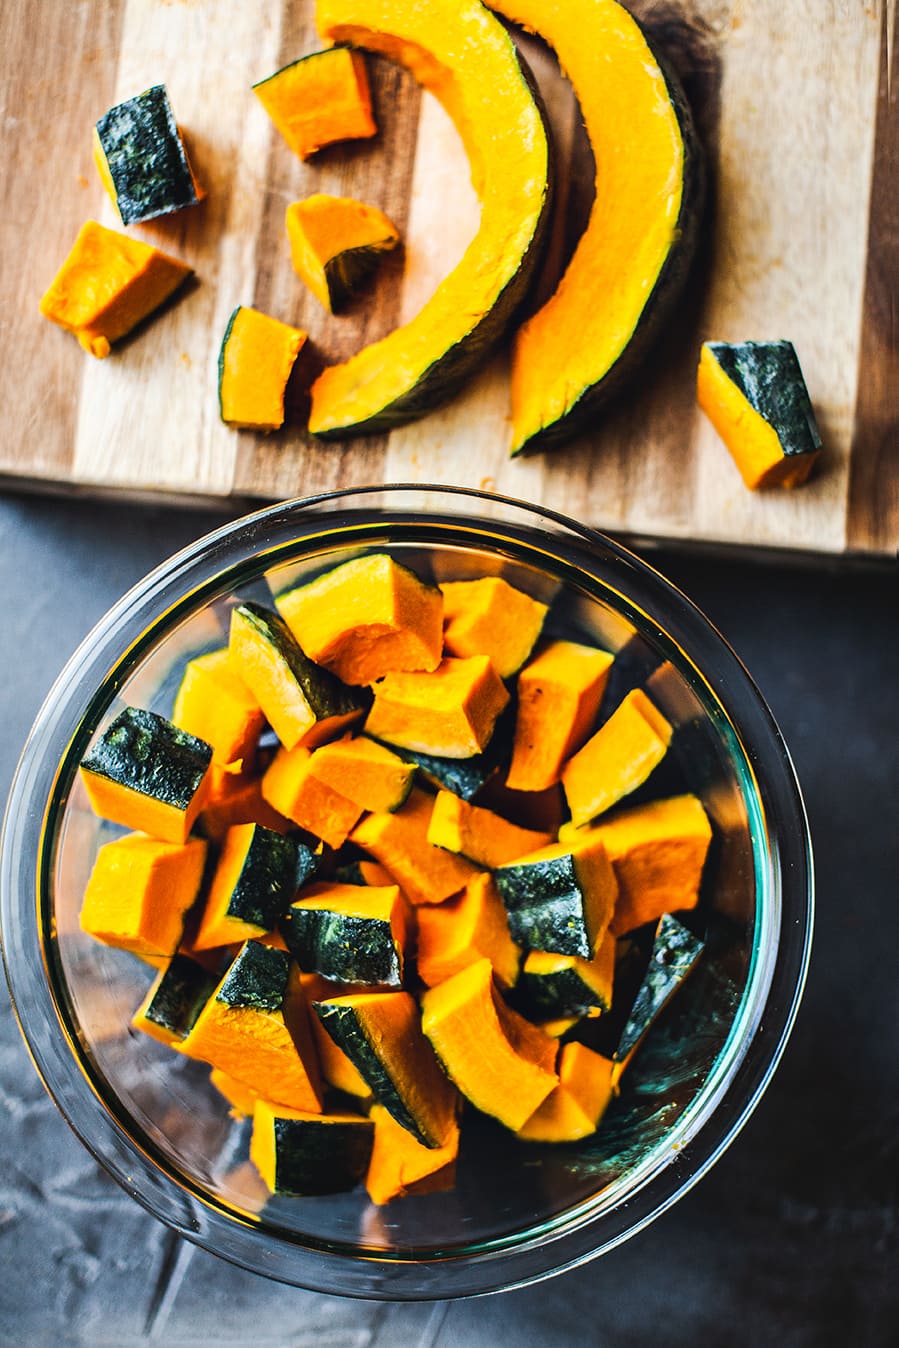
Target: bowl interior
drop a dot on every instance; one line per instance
(161, 1106)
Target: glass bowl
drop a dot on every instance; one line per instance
(518, 1211)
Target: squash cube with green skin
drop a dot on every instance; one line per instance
(560, 899)
(674, 955)
(300, 1153)
(145, 773)
(256, 358)
(256, 877)
(351, 933)
(336, 243)
(303, 703)
(755, 396)
(553, 986)
(141, 158)
(175, 999)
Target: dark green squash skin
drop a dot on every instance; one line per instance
(546, 906)
(223, 355)
(348, 1033)
(675, 951)
(323, 691)
(313, 1156)
(257, 978)
(347, 949)
(564, 993)
(268, 878)
(182, 991)
(443, 379)
(465, 777)
(769, 377)
(146, 159)
(662, 298)
(148, 754)
(346, 272)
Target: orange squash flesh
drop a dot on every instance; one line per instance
(488, 616)
(145, 814)
(319, 99)
(559, 693)
(214, 703)
(257, 356)
(291, 789)
(335, 242)
(574, 1108)
(367, 618)
(399, 841)
(336, 1068)
(238, 799)
(617, 759)
(139, 892)
(108, 283)
(471, 927)
(500, 1062)
(478, 834)
(450, 711)
(365, 772)
(399, 1163)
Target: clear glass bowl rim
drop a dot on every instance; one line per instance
(767, 1020)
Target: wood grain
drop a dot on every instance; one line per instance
(801, 136)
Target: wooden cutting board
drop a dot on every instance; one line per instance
(799, 119)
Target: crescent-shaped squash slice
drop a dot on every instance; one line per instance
(458, 51)
(628, 266)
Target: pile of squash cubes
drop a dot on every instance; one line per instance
(372, 863)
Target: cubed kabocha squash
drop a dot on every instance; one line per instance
(255, 1027)
(574, 1108)
(366, 618)
(488, 616)
(559, 695)
(336, 244)
(300, 1153)
(320, 99)
(499, 1061)
(381, 1033)
(139, 892)
(176, 997)
(236, 798)
(470, 927)
(108, 284)
(755, 396)
(256, 359)
(256, 877)
(291, 788)
(214, 703)
(674, 955)
(336, 1068)
(449, 712)
(399, 841)
(350, 933)
(478, 834)
(617, 759)
(468, 61)
(365, 772)
(560, 899)
(303, 703)
(466, 777)
(145, 773)
(400, 1165)
(142, 160)
(552, 987)
(632, 260)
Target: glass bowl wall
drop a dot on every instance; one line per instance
(518, 1211)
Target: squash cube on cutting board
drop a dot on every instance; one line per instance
(256, 358)
(321, 98)
(140, 155)
(336, 243)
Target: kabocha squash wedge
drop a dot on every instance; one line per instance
(463, 56)
(255, 1027)
(449, 711)
(336, 243)
(176, 997)
(256, 358)
(467, 777)
(617, 759)
(560, 899)
(255, 879)
(381, 1033)
(321, 98)
(140, 156)
(290, 787)
(425, 874)
(488, 616)
(755, 396)
(552, 986)
(478, 834)
(574, 1108)
(500, 1062)
(108, 284)
(336, 1068)
(139, 892)
(399, 1163)
(559, 694)
(367, 618)
(215, 704)
(300, 1153)
(675, 953)
(145, 773)
(303, 703)
(471, 927)
(631, 261)
(351, 933)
